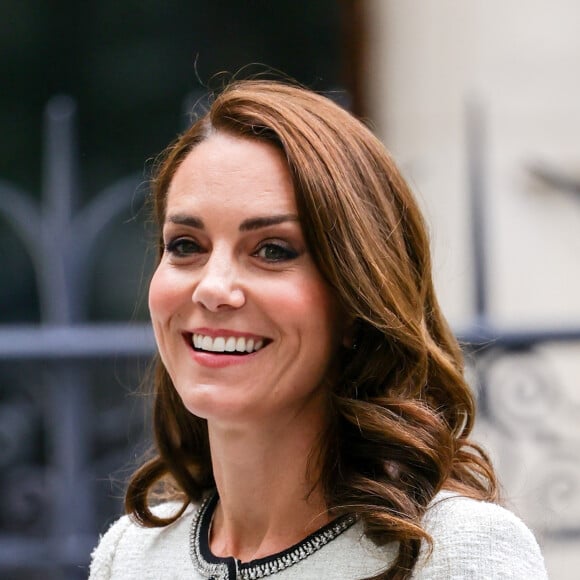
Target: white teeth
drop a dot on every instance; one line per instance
(226, 344)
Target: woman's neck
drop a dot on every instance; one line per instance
(268, 484)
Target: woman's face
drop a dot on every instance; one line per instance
(245, 324)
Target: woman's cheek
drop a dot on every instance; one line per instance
(164, 291)
(154, 294)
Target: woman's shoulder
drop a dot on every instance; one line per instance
(128, 550)
(452, 512)
(478, 539)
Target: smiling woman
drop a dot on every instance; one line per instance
(311, 415)
(246, 324)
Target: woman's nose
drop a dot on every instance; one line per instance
(217, 287)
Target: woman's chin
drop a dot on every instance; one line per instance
(218, 407)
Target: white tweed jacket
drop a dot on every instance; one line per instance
(471, 540)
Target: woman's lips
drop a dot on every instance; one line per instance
(210, 349)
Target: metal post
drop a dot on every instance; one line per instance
(475, 125)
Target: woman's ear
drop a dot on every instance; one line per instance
(351, 332)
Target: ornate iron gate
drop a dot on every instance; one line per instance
(53, 438)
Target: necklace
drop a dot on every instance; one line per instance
(212, 567)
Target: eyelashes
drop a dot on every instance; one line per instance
(276, 252)
(271, 252)
(182, 247)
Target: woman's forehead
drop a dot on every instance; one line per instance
(233, 172)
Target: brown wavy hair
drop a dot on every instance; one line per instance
(402, 410)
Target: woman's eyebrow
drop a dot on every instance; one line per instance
(247, 225)
(186, 220)
(263, 222)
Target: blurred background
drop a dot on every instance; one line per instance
(478, 102)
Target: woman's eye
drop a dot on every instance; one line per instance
(182, 247)
(276, 253)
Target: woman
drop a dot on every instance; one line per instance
(311, 415)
